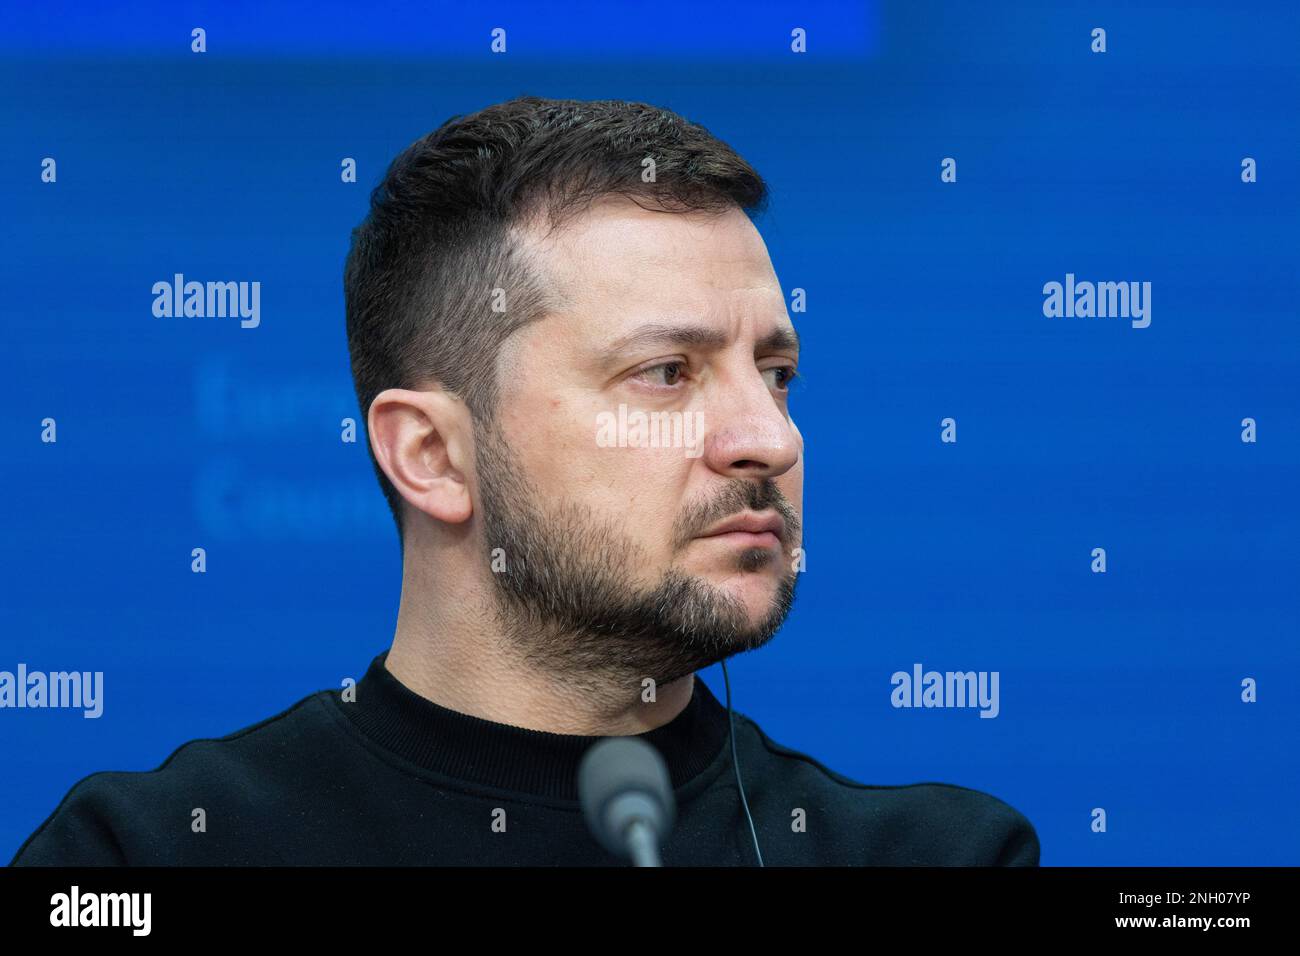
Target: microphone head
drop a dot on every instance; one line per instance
(622, 780)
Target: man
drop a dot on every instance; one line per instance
(575, 360)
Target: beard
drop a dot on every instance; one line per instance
(568, 601)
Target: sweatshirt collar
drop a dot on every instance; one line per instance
(505, 757)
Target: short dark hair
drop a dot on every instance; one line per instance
(435, 252)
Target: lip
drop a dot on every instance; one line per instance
(745, 539)
(750, 529)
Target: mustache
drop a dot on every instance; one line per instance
(737, 496)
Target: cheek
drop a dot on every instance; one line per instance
(567, 457)
(639, 489)
(791, 485)
(643, 486)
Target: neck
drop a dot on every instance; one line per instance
(453, 650)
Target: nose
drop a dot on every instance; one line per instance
(747, 431)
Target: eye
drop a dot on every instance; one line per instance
(783, 376)
(665, 373)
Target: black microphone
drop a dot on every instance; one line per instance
(627, 798)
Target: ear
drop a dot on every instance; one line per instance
(421, 440)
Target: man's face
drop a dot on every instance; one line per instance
(645, 415)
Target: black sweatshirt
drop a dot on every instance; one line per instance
(391, 778)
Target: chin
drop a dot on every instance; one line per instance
(756, 590)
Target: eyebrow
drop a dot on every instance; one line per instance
(699, 336)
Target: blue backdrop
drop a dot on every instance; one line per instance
(1120, 690)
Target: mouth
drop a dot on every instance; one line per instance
(748, 530)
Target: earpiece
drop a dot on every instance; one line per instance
(736, 763)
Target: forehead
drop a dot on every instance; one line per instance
(624, 264)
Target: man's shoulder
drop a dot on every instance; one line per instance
(915, 824)
(107, 816)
